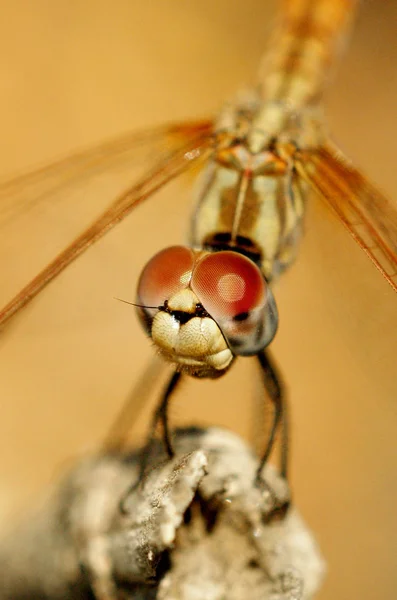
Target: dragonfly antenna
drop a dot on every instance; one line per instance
(133, 303)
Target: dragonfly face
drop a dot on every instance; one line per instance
(202, 309)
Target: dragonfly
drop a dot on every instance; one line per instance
(206, 304)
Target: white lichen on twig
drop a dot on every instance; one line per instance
(197, 529)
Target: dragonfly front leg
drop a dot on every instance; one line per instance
(160, 416)
(275, 390)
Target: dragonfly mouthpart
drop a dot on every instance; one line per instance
(186, 335)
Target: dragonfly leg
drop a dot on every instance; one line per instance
(160, 416)
(275, 390)
(162, 412)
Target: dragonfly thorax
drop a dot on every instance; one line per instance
(240, 158)
(252, 203)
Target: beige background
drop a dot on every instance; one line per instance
(73, 73)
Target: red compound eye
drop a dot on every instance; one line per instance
(228, 285)
(165, 274)
(233, 291)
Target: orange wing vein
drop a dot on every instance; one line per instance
(370, 217)
(197, 144)
(19, 194)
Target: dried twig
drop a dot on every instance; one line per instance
(198, 529)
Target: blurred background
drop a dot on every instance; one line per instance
(76, 73)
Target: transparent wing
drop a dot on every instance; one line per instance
(49, 189)
(370, 217)
(118, 435)
(52, 182)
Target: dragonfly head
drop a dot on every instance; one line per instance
(202, 309)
